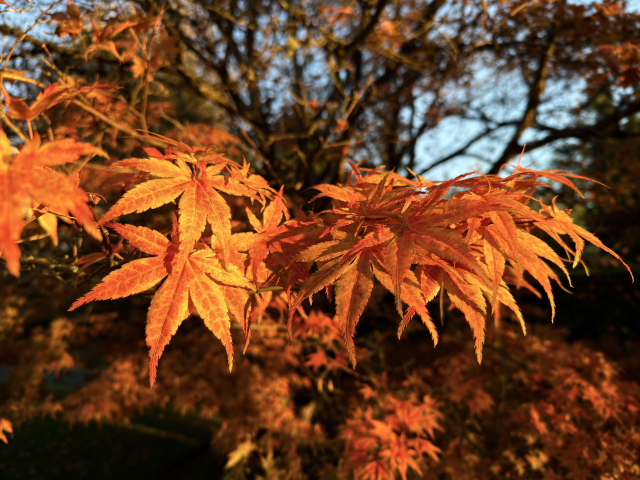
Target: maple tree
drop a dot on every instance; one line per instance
(174, 211)
(469, 245)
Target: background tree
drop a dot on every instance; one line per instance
(305, 86)
(300, 89)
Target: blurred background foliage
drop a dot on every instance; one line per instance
(438, 87)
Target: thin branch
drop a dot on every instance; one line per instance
(586, 132)
(535, 95)
(261, 157)
(11, 125)
(460, 151)
(20, 38)
(116, 125)
(361, 37)
(16, 32)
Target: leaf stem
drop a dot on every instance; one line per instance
(275, 288)
(12, 126)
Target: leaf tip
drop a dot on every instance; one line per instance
(353, 361)
(229, 348)
(15, 271)
(153, 370)
(75, 305)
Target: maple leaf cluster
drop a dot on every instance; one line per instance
(564, 411)
(471, 246)
(235, 256)
(395, 442)
(30, 185)
(408, 234)
(203, 279)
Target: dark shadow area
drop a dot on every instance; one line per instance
(155, 445)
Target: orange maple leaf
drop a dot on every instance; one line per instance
(103, 38)
(71, 24)
(353, 291)
(271, 218)
(27, 179)
(195, 175)
(5, 426)
(195, 281)
(53, 95)
(346, 263)
(384, 224)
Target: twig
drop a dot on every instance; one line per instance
(33, 238)
(145, 94)
(355, 101)
(12, 126)
(260, 156)
(274, 288)
(116, 125)
(19, 39)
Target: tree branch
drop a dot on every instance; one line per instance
(530, 112)
(588, 132)
(362, 35)
(460, 151)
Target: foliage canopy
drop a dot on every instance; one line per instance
(112, 135)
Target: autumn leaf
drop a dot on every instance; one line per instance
(559, 222)
(411, 294)
(28, 179)
(417, 242)
(333, 269)
(398, 259)
(495, 263)
(49, 223)
(193, 277)
(103, 37)
(53, 95)
(271, 218)
(353, 291)
(5, 426)
(190, 175)
(71, 24)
